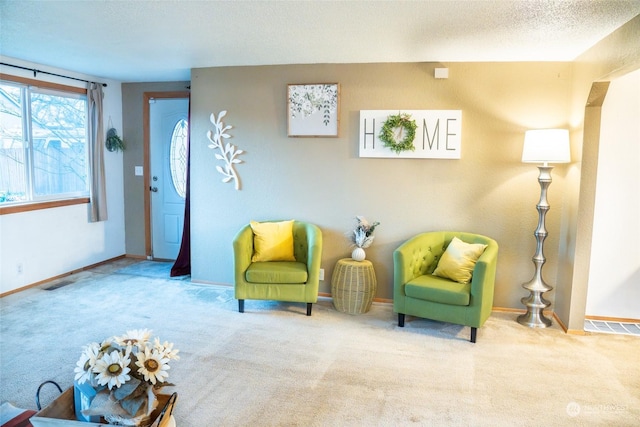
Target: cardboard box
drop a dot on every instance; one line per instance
(61, 412)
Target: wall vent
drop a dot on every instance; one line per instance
(58, 285)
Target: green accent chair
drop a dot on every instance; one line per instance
(292, 281)
(417, 292)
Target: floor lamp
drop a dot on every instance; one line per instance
(541, 146)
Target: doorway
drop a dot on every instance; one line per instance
(166, 118)
(614, 275)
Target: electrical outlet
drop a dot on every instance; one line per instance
(322, 274)
(19, 268)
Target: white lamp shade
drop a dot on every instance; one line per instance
(546, 146)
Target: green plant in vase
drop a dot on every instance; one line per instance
(113, 141)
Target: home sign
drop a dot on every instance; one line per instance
(437, 134)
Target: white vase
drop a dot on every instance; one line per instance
(358, 254)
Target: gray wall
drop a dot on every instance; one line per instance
(322, 180)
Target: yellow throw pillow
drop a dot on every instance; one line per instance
(458, 261)
(272, 241)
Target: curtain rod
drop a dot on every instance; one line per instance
(51, 74)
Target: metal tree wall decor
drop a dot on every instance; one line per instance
(228, 151)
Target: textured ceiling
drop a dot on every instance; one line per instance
(162, 40)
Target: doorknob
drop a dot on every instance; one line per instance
(155, 178)
(154, 189)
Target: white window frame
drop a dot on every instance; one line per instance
(33, 201)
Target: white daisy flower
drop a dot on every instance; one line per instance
(84, 366)
(107, 343)
(112, 369)
(136, 337)
(166, 348)
(153, 365)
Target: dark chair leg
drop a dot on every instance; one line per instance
(473, 334)
(401, 320)
(241, 305)
(309, 305)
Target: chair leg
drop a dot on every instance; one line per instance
(473, 334)
(401, 320)
(309, 305)
(241, 305)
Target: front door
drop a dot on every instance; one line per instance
(168, 131)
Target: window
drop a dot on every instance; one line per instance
(43, 144)
(179, 157)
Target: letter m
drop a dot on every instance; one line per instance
(435, 135)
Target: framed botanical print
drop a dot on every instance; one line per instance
(313, 110)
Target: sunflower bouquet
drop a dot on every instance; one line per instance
(125, 372)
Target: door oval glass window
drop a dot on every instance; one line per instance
(179, 157)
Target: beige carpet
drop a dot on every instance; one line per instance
(274, 366)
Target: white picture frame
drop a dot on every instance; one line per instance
(313, 110)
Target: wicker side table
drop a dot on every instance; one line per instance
(353, 286)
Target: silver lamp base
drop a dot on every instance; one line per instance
(534, 319)
(535, 303)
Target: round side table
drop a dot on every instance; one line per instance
(353, 286)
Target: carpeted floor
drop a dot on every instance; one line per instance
(274, 366)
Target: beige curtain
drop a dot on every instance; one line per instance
(98, 196)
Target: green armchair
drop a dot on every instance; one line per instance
(293, 281)
(417, 292)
